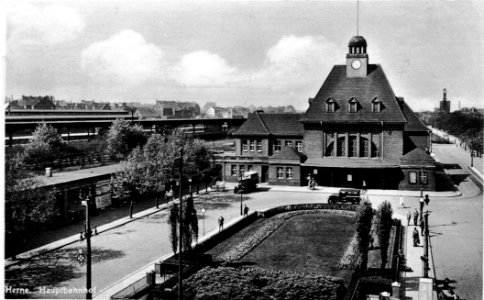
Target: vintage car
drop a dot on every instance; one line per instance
(248, 182)
(352, 196)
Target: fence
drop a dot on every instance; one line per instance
(136, 288)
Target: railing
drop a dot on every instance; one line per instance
(136, 287)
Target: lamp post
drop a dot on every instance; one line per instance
(241, 190)
(203, 214)
(87, 235)
(472, 158)
(425, 257)
(190, 186)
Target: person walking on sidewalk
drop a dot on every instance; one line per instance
(409, 216)
(220, 224)
(246, 210)
(416, 239)
(427, 200)
(421, 204)
(415, 217)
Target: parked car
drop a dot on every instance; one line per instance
(352, 196)
(248, 183)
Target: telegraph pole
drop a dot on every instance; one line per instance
(425, 257)
(180, 292)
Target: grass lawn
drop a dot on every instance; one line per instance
(310, 244)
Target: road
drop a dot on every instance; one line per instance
(455, 223)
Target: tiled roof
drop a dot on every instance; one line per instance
(271, 124)
(413, 122)
(342, 89)
(287, 153)
(417, 157)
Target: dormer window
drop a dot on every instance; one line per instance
(376, 105)
(353, 105)
(331, 105)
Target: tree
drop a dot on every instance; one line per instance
(27, 206)
(45, 145)
(122, 137)
(190, 224)
(384, 228)
(364, 215)
(173, 221)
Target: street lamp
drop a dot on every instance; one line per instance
(180, 290)
(472, 158)
(203, 214)
(241, 190)
(87, 235)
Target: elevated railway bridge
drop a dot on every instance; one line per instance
(19, 125)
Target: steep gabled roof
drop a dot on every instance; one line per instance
(417, 157)
(259, 123)
(287, 153)
(413, 122)
(342, 89)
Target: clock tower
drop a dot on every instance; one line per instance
(357, 58)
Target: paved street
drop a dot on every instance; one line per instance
(456, 226)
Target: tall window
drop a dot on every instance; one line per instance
(364, 147)
(423, 178)
(277, 146)
(280, 173)
(412, 177)
(330, 105)
(340, 151)
(289, 143)
(259, 145)
(252, 145)
(249, 168)
(289, 173)
(245, 145)
(376, 106)
(299, 146)
(353, 105)
(242, 169)
(233, 170)
(353, 149)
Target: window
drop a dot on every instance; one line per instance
(289, 143)
(242, 169)
(364, 147)
(412, 177)
(353, 105)
(299, 146)
(280, 173)
(249, 168)
(330, 105)
(245, 145)
(353, 146)
(259, 146)
(423, 178)
(289, 173)
(278, 146)
(340, 150)
(233, 170)
(376, 105)
(252, 145)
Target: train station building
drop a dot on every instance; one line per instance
(355, 133)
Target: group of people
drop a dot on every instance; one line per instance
(418, 220)
(311, 182)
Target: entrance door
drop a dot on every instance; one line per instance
(263, 175)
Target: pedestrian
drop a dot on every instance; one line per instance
(402, 204)
(309, 181)
(364, 186)
(416, 239)
(169, 194)
(427, 200)
(421, 203)
(409, 216)
(415, 217)
(246, 210)
(220, 224)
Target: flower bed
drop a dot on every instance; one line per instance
(241, 249)
(257, 283)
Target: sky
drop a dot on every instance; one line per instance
(239, 52)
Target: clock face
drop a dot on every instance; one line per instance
(356, 64)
